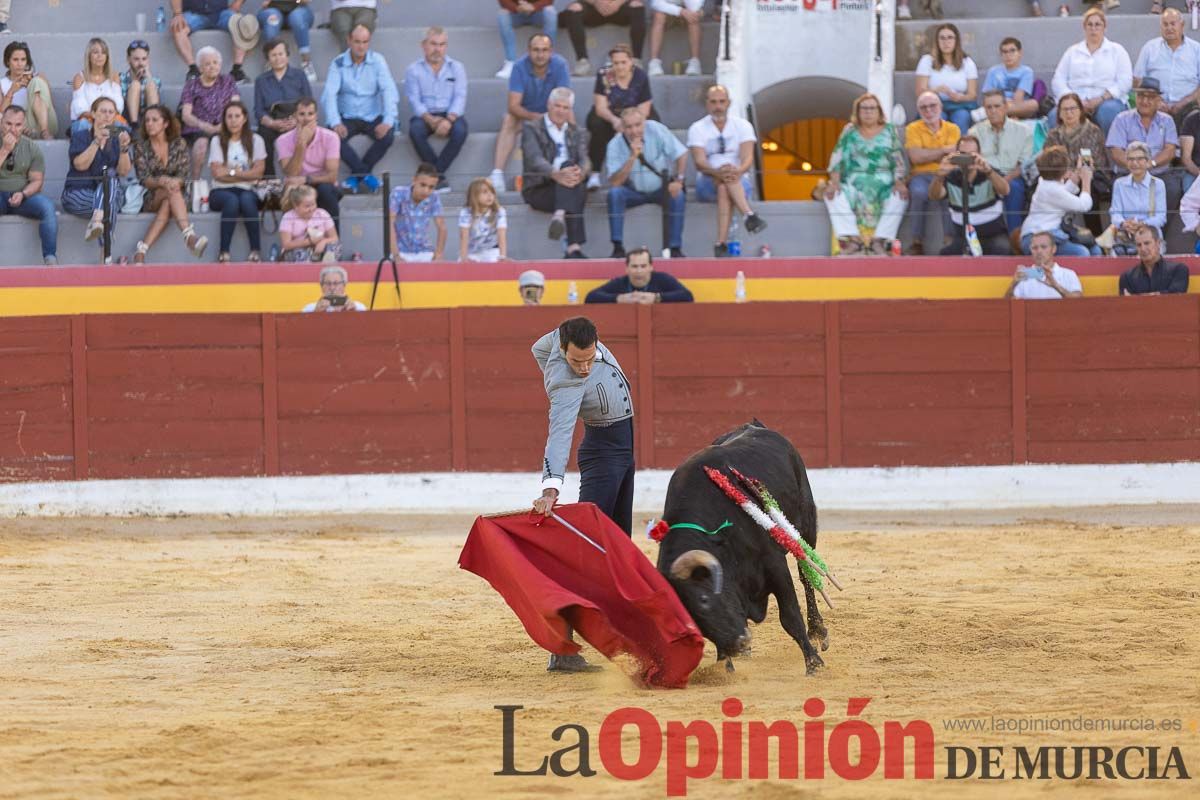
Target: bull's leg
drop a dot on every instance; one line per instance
(793, 622)
(816, 625)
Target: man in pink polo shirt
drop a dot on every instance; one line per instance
(310, 154)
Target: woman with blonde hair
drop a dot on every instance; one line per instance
(866, 194)
(950, 72)
(482, 225)
(97, 79)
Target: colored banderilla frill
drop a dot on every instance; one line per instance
(787, 537)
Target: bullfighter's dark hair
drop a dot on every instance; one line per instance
(579, 331)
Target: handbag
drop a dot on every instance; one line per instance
(134, 197)
(270, 193)
(1079, 234)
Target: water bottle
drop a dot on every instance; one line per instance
(273, 253)
(734, 245)
(572, 294)
(897, 248)
(160, 20)
(973, 241)
(739, 287)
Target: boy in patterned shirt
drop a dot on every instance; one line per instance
(410, 209)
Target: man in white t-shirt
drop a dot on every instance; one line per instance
(723, 149)
(1045, 280)
(333, 293)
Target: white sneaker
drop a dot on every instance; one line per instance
(582, 67)
(594, 181)
(693, 67)
(497, 179)
(505, 71)
(655, 69)
(310, 72)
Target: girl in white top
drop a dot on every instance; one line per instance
(1097, 69)
(1056, 196)
(482, 225)
(21, 86)
(98, 79)
(237, 157)
(947, 70)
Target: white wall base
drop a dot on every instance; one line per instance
(906, 488)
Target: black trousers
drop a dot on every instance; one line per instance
(606, 471)
(626, 16)
(551, 196)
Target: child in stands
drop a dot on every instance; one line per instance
(482, 225)
(307, 233)
(410, 210)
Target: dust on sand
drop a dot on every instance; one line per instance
(336, 657)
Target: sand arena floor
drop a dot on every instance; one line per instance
(350, 657)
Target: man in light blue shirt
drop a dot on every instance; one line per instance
(361, 99)
(436, 86)
(1174, 61)
(636, 163)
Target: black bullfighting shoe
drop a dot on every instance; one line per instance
(574, 663)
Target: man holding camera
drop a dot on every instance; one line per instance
(982, 201)
(1045, 280)
(139, 88)
(333, 293)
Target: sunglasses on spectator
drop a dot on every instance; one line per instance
(721, 144)
(10, 163)
(137, 44)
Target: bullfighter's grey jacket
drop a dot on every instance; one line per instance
(601, 399)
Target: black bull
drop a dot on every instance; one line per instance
(725, 578)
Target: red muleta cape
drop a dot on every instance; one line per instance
(617, 601)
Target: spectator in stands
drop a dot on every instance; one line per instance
(641, 284)
(203, 100)
(361, 99)
(276, 92)
(1008, 147)
(306, 232)
(692, 13)
(722, 148)
(346, 15)
(436, 86)
(556, 169)
(986, 188)
(866, 188)
(1014, 79)
(593, 13)
(308, 155)
(98, 79)
(945, 69)
(927, 141)
(333, 293)
(410, 210)
(1189, 212)
(518, 13)
(22, 175)
(1152, 275)
(92, 150)
(1154, 128)
(24, 87)
(645, 164)
(1187, 148)
(1084, 140)
(5, 7)
(237, 158)
(620, 86)
(538, 73)
(1138, 199)
(1097, 69)
(1060, 191)
(206, 15)
(139, 87)
(482, 225)
(1173, 60)
(933, 8)
(1045, 280)
(532, 285)
(296, 16)
(163, 165)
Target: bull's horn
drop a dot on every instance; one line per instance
(683, 567)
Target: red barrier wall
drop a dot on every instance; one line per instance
(858, 383)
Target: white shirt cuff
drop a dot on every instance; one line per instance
(553, 483)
